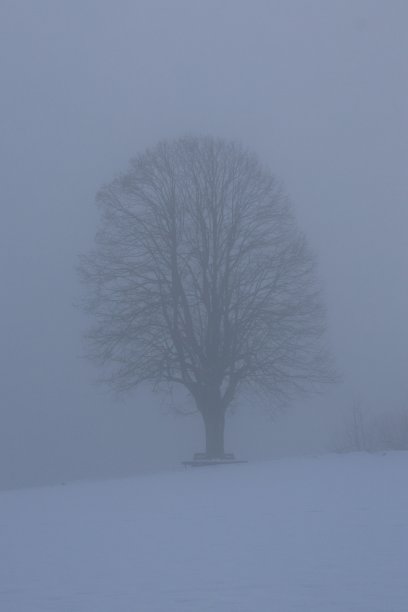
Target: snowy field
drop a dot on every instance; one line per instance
(296, 535)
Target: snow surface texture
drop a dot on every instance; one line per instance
(302, 535)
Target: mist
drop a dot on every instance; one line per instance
(318, 90)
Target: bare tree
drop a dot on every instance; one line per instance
(200, 277)
(355, 435)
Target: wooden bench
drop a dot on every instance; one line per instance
(202, 460)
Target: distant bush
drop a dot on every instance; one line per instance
(373, 432)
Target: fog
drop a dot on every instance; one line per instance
(318, 89)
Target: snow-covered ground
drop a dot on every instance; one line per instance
(296, 535)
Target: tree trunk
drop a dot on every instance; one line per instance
(214, 422)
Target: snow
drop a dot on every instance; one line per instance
(323, 534)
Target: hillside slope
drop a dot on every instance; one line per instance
(300, 535)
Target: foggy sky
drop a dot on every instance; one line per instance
(318, 89)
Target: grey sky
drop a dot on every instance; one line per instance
(319, 89)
